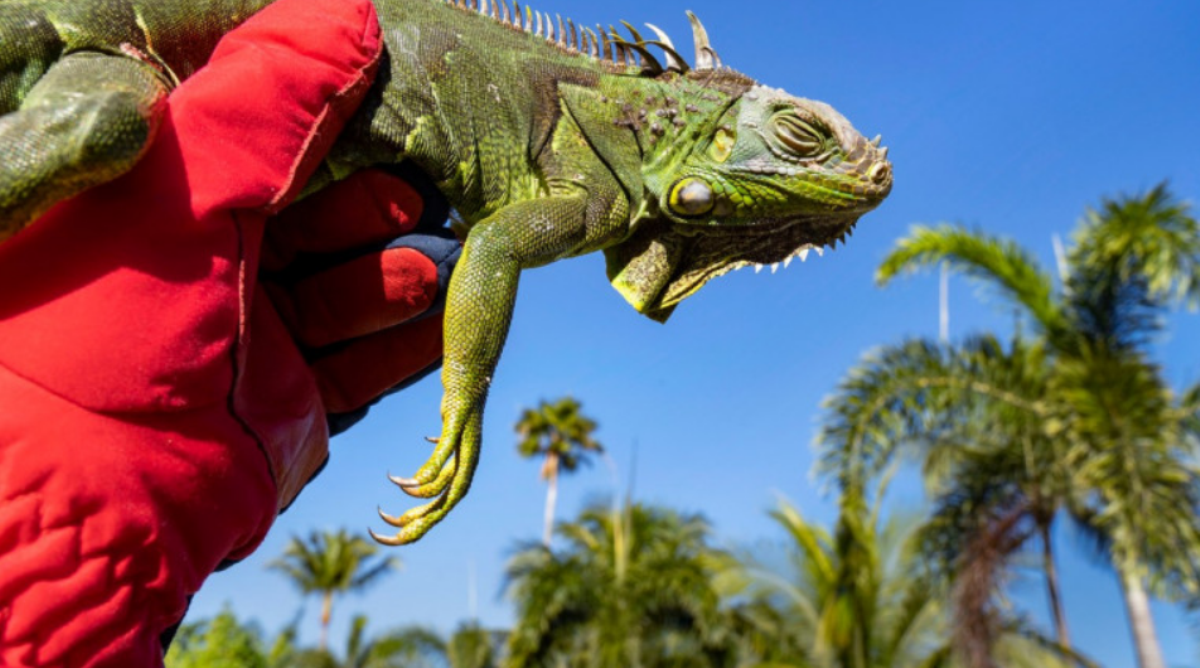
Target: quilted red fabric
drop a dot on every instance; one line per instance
(154, 411)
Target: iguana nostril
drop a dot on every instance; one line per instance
(880, 172)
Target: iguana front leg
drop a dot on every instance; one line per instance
(86, 121)
(479, 308)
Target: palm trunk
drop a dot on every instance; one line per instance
(1052, 589)
(550, 472)
(326, 613)
(1141, 622)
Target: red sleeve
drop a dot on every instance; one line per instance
(155, 413)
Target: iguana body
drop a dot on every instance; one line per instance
(549, 143)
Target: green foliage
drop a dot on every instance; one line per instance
(854, 598)
(1151, 239)
(409, 647)
(470, 646)
(633, 588)
(921, 396)
(221, 642)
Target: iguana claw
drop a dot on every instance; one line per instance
(430, 489)
(433, 467)
(414, 523)
(449, 485)
(385, 540)
(390, 519)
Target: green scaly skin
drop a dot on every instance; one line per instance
(546, 148)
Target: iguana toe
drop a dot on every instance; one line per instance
(414, 523)
(430, 489)
(449, 486)
(433, 467)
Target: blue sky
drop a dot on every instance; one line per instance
(1009, 116)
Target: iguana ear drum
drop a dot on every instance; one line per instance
(691, 197)
(722, 146)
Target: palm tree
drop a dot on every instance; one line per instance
(470, 646)
(220, 642)
(633, 588)
(975, 408)
(410, 647)
(1090, 424)
(859, 597)
(853, 598)
(995, 502)
(562, 435)
(329, 564)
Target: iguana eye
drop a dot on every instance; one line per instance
(691, 197)
(798, 137)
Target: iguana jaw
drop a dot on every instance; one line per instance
(664, 263)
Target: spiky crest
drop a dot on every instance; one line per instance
(609, 47)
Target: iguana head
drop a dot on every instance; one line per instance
(770, 177)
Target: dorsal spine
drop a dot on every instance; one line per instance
(605, 46)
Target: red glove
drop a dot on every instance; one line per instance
(155, 413)
(344, 312)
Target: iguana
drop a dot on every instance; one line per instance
(548, 139)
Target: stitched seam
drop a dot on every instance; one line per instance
(235, 350)
(361, 78)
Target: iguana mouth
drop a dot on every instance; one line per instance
(662, 264)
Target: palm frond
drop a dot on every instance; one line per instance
(924, 395)
(998, 263)
(1023, 639)
(1189, 411)
(1150, 236)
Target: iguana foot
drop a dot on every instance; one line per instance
(453, 465)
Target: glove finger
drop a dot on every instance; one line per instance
(254, 124)
(367, 209)
(355, 375)
(370, 293)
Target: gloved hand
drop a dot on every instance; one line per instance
(342, 304)
(155, 409)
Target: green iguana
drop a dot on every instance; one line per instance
(549, 140)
